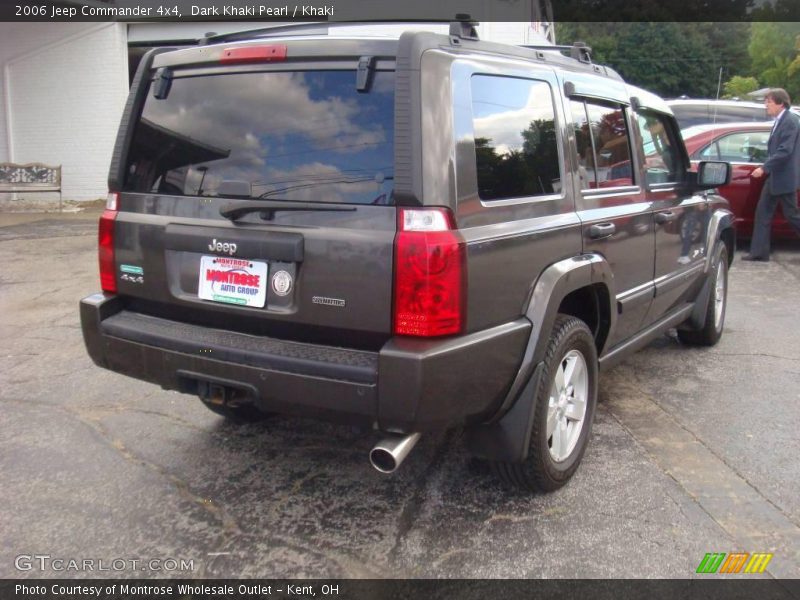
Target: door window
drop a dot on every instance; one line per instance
(749, 146)
(603, 145)
(583, 141)
(710, 152)
(661, 156)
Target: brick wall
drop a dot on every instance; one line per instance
(63, 94)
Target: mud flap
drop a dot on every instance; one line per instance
(697, 319)
(508, 438)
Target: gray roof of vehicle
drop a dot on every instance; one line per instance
(712, 102)
(327, 46)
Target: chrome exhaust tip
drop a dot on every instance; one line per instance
(389, 453)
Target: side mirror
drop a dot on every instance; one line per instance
(712, 174)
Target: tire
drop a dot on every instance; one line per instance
(715, 307)
(556, 446)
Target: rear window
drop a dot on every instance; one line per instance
(305, 136)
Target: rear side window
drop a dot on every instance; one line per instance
(661, 156)
(305, 136)
(601, 134)
(515, 137)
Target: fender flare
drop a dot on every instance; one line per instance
(554, 284)
(506, 436)
(721, 220)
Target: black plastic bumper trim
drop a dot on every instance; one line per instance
(255, 351)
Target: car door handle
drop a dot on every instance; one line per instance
(602, 230)
(666, 216)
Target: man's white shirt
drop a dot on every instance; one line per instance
(775, 122)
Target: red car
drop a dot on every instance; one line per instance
(744, 145)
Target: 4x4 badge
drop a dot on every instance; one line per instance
(132, 273)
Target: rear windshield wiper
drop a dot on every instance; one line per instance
(234, 210)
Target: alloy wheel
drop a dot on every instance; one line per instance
(566, 409)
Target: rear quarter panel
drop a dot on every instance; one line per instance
(509, 242)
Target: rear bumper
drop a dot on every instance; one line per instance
(409, 385)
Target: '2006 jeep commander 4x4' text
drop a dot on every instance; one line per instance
(410, 234)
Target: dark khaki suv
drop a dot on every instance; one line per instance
(410, 234)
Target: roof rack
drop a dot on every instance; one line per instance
(463, 27)
(276, 30)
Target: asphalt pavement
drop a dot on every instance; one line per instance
(693, 451)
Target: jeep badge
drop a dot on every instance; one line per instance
(228, 247)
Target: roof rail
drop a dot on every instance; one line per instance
(578, 51)
(464, 27)
(581, 52)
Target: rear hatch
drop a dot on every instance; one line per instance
(257, 194)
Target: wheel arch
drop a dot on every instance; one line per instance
(728, 237)
(721, 231)
(592, 305)
(581, 286)
(720, 228)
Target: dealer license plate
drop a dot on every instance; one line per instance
(233, 281)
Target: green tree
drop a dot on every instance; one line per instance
(776, 10)
(668, 58)
(794, 68)
(738, 86)
(661, 11)
(773, 49)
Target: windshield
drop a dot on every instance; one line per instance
(305, 136)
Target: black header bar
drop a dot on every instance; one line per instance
(399, 10)
(732, 588)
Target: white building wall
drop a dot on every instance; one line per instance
(17, 39)
(64, 88)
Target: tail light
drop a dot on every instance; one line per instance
(105, 245)
(429, 274)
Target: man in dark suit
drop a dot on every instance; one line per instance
(782, 169)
